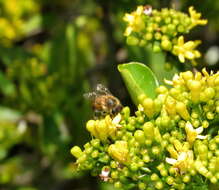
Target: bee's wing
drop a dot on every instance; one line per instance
(101, 89)
(90, 95)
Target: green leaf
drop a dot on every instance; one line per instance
(62, 54)
(8, 114)
(9, 55)
(71, 48)
(33, 24)
(139, 79)
(6, 86)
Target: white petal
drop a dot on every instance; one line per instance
(176, 77)
(129, 18)
(141, 176)
(128, 31)
(199, 130)
(105, 173)
(169, 82)
(189, 126)
(201, 136)
(140, 107)
(139, 10)
(190, 155)
(181, 58)
(171, 161)
(117, 119)
(182, 156)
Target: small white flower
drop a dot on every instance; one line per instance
(183, 162)
(171, 161)
(192, 133)
(147, 10)
(140, 107)
(176, 77)
(168, 82)
(116, 120)
(105, 174)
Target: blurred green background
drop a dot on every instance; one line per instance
(51, 53)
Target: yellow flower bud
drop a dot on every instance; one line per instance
(154, 177)
(119, 151)
(177, 145)
(148, 128)
(157, 35)
(76, 151)
(141, 98)
(195, 18)
(188, 75)
(170, 105)
(139, 136)
(186, 178)
(128, 31)
(209, 93)
(170, 180)
(148, 36)
(216, 81)
(181, 58)
(102, 130)
(159, 185)
(131, 40)
(163, 89)
(157, 135)
(111, 127)
(189, 55)
(148, 105)
(182, 110)
(194, 85)
(166, 45)
(172, 151)
(200, 168)
(90, 126)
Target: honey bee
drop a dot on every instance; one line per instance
(103, 102)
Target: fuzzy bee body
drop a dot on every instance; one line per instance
(103, 102)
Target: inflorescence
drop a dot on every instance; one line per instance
(164, 30)
(15, 19)
(172, 142)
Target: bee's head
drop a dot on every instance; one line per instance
(111, 102)
(116, 109)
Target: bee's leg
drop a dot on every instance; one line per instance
(97, 114)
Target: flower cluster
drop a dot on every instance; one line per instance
(164, 30)
(172, 142)
(13, 131)
(14, 15)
